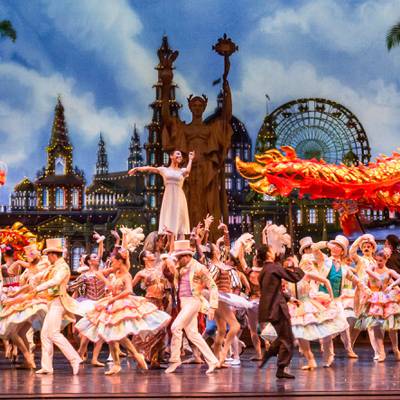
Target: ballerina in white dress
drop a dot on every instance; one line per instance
(174, 214)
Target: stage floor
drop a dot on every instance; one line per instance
(360, 378)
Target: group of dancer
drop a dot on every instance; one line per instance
(198, 295)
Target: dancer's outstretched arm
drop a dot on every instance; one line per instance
(149, 169)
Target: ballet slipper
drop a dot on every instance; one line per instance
(351, 354)
(381, 359)
(329, 362)
(115, 369)
(96, 363)
(141, 362)
(211, 368)
(43, 371)
(173, 367)
(310, 366)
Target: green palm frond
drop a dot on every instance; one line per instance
(393, 36)
(7, 30)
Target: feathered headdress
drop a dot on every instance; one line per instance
(278, 238)
(132, 238)
(246, 241)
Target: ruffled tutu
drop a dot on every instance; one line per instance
(236, 301)
(131, 315)
(314, 319)
(86, 305)
(381, 309)
(28, 309)
(347, 300)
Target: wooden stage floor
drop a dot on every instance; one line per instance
(358, 379)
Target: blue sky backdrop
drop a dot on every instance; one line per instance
(99, 55)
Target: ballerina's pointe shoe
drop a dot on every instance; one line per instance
(43, 371)
(397, 355)
(141, 362)
(310, 366)
(329, 362)
(97, 364)
(114, 370)
(351, 354)
(173, 367)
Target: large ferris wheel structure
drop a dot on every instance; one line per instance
(316, 128)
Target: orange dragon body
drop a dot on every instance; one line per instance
(376, 185)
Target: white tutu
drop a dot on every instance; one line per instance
(87, 305)
(238, 302)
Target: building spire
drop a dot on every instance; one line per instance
(102, 159)
(135, 150)
(59, 131)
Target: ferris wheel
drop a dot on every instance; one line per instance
(321, 129)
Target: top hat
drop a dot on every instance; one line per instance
(182, 248)
(54, 246)
(341, 241)
(304, 243)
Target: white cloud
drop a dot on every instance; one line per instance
(376, 105)
(335, 24)
(23, 121)
(111, 32)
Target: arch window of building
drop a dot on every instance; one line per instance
(45, 198)
(228, 183)
(239, 184)
(237, 152)
(330, 216)
(77, 252)
(75, 198)
(246, 154)
(60, 198)
(380, 215)
(153, 220)
(299, 216)
(60, 166)
(230, 154)
(312, 216)
(152, 180)
(152, 201)
(152, 158)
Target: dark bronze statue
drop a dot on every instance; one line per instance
(205, 188)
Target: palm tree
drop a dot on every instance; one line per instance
(393, 36)
(7, 30)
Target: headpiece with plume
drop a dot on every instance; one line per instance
(132, 238)
(278, 238)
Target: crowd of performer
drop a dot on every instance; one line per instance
(197, 295)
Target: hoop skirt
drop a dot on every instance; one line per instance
(130, 315)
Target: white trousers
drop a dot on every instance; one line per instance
(51, 335)
(187, 320)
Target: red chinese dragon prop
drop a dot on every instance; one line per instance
(18, 236)
(3, 173)
(376, 185)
